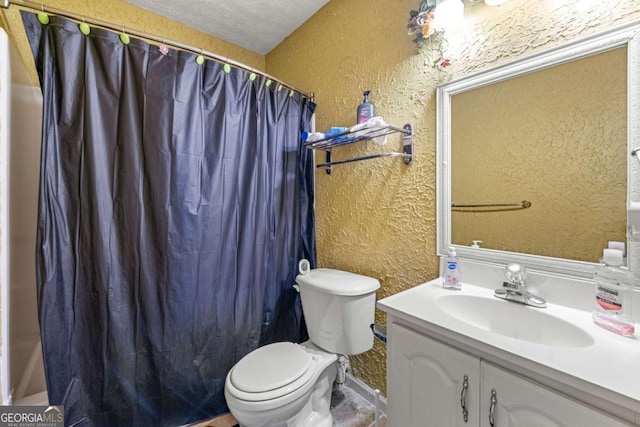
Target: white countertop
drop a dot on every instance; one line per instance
(607, 369)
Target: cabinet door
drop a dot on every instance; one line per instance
(426, 382)
(521, 403)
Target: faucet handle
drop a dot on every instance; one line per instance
(516, 274)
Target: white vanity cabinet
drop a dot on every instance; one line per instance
(426, 387)
(510, 400)
(429, 384)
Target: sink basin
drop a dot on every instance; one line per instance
(514, 320)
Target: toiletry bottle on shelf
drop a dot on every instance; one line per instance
(614, 287)
(366, 110)
(316, 136)
(452, 273)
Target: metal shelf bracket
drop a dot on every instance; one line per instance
(407, 144)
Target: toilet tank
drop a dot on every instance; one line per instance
(338, 308)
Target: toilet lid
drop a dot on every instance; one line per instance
(270, 367)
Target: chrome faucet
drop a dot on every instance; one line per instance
(514, 288)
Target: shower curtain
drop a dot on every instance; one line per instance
(175, 203)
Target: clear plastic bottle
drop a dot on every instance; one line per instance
(452, 272)
(614, 287)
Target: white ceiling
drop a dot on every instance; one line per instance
(257, 25)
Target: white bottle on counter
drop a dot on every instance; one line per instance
(451, 278)
(614, 287)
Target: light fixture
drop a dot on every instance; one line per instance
(448, 13)
(495, 2)
(490, 2)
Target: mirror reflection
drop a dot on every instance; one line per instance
(556, 138)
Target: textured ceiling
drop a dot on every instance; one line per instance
(257, 25)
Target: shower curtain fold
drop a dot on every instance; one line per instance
(175, 203)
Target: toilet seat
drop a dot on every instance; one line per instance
(270, 372)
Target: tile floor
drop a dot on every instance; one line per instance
(348, 408)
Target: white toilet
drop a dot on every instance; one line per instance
(289, 385)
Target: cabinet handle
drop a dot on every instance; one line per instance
(463, 398)
(492, 408)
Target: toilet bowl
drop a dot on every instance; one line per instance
(289, 385)
(282, 385)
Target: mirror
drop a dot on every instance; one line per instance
(555, 138)
(533, 156)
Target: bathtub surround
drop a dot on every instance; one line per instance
(5, 126)
(27, 369)
(175, 202)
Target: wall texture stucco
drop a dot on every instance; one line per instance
(378, 217)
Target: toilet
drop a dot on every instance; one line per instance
(289, 385)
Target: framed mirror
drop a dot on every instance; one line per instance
(533, 157)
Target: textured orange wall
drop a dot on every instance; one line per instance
(556, 138)
(121, 13)
(378, 217)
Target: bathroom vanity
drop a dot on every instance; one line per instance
(466, 358)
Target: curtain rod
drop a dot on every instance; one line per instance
(105, 24)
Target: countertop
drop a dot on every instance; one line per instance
(608, 368)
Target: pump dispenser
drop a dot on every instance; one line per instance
(366, 110)
(614, 287)
(452, 273)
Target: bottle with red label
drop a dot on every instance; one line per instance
(614, 287)
(366, 110)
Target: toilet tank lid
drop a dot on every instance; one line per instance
(338, 282)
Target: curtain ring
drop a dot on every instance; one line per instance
(124, 37)
(200, 58)
(84, 27)
(163, 48)
(43, 18)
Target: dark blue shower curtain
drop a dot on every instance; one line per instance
(175, 203)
